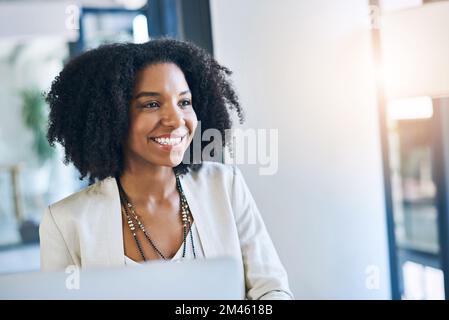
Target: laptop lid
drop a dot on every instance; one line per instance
(219, 278)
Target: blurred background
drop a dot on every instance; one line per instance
(358, 91)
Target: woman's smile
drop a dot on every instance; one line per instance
(168, 143)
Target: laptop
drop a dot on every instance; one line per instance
(203, 279)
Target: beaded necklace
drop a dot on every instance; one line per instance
(132, 219)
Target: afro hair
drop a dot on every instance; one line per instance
(89, 100)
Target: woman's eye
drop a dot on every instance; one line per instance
(151, 105)
(185, 103)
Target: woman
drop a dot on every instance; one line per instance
(126, 115)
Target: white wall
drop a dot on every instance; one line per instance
(305, 68)
(29, 63)
(26, 19)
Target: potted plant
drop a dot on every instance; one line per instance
(35, 119)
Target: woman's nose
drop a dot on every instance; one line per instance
(172, 116)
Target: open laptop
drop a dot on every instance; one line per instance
(219, 278)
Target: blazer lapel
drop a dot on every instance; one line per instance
(111, 236)
(111, 232)
(198, 205)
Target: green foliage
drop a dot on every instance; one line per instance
(35, 117)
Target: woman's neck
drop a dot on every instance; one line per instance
(152, 184)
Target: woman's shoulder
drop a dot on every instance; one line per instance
(212, 167)
(215, 177)
(211, 171)
(82, 197)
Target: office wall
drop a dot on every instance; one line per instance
(304, 68)
(13, 14)
(30, 58)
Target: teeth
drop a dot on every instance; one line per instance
(168, 141)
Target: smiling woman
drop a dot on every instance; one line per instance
(126, 115)
(162, 118)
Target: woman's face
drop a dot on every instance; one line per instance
(162, 119)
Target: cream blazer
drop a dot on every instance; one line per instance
(85, 229)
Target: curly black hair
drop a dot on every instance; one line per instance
(89, 100)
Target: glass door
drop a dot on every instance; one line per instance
(412, 132)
